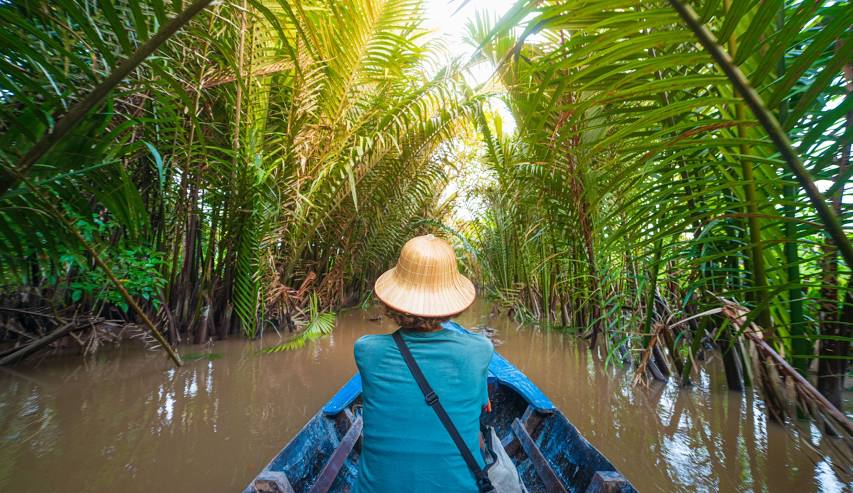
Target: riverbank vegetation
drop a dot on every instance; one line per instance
(640, 189)
(266, 152)
(675, 181)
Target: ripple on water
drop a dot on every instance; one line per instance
(128, 420)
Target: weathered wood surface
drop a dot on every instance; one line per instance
(543, 469)
(272, 482)
(530, 420)
(607, 482)
(336, 461)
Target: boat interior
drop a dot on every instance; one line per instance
(549, 453)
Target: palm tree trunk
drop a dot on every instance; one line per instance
(802, 347)
(759, 275)
(833, 352)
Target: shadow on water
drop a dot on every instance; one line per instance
(126, 420)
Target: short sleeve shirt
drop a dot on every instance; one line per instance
(405, 447)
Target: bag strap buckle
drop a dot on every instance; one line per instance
(431, 398)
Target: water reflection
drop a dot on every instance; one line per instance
(664, 438)
(126, 420)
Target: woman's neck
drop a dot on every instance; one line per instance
(424, 328)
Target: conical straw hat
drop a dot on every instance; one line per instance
(426, 282)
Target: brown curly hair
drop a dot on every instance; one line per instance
(413, 322)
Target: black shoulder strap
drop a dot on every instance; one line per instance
(483, 483)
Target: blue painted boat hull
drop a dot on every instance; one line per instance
(567, 455)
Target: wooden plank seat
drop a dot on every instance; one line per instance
(272, 482)
(522, 437)
(530, 420)
(543, 468)
(336, 461)
(608, 482)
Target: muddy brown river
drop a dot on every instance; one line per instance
(125, 420)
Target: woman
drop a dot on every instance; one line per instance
(405, 446)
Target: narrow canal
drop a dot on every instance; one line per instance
(126, 421)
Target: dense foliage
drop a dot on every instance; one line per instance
(267, 151)
(639, 188)
(256, 163)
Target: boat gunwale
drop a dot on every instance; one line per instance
(502, 373)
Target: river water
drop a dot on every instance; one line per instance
(125, 420)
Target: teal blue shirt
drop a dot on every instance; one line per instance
(405, 447)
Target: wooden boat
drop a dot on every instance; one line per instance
(550, 454)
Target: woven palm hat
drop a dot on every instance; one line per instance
(426, 282)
